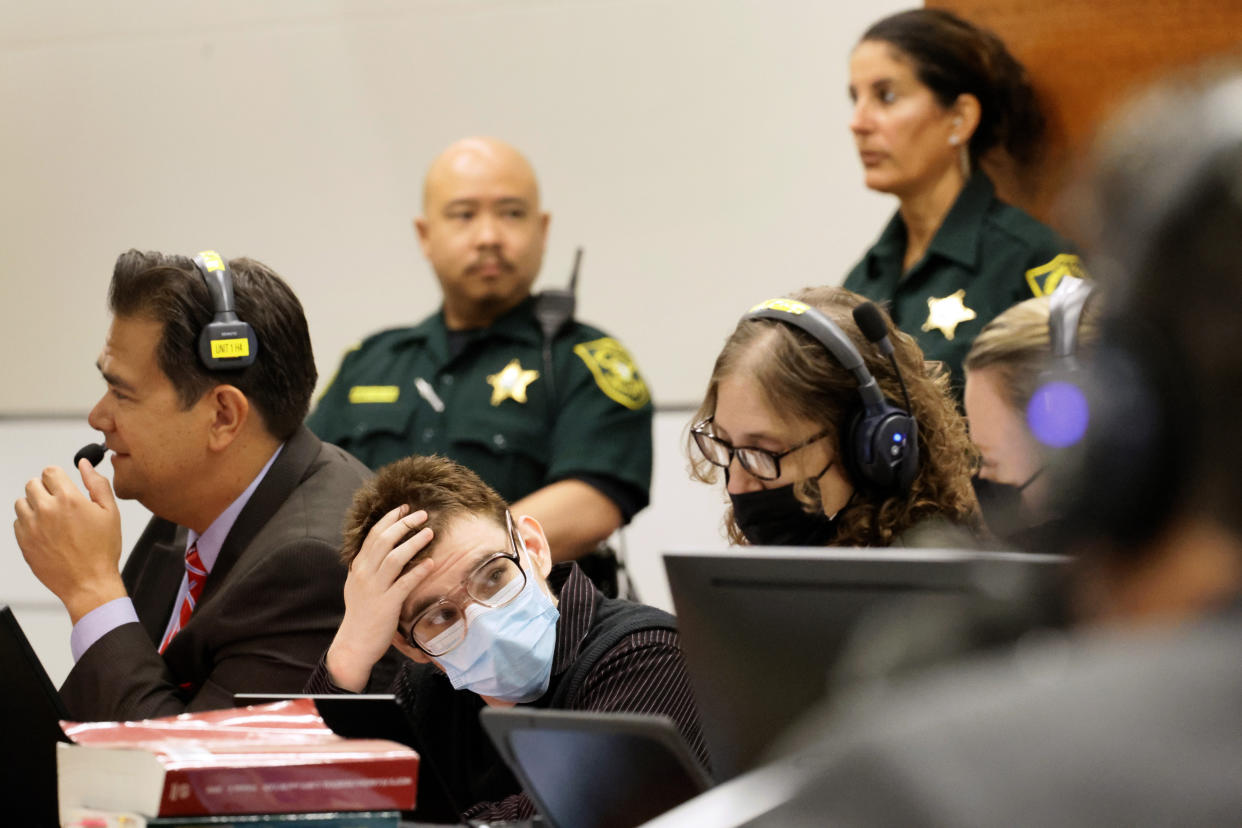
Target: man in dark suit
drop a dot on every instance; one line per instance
(235, 585)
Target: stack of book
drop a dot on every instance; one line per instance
(252, 766)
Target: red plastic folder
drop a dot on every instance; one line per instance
(271, 758)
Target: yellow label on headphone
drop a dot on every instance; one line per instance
(212, 261)
(230, 348)
(786, 305)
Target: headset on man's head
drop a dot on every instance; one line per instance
(226, 342)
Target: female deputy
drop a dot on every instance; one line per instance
(1021, 405)
(780, 415)
(932, 95)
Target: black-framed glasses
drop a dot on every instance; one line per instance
(495, 582)
(761, 463)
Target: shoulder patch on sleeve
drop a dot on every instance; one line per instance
(614, 371)
(1043, 280)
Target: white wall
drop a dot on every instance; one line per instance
(697, 149)
(28, 447)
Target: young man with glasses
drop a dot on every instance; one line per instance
(440, 569)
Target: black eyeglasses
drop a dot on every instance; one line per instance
(494, 583)
(763, 464)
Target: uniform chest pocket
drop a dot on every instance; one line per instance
(376, 433)
(378, 418)
(512, 456)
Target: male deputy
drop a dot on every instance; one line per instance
(571, 446)
(236, 583)
(466, 589)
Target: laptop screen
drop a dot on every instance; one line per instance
(596, 770)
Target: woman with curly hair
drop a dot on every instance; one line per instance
(778, 413)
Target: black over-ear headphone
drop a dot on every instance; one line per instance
(880, 443)
(226, 342)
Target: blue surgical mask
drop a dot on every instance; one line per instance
(507, 653)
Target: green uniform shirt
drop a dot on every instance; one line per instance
(986, 256)
(401, 393)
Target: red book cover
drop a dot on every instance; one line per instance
(271, 758)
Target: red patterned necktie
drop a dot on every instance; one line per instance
(196, 574)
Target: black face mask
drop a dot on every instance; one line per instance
(774, 517)
(1001, 504)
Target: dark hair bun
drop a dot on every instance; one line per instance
(953, 57)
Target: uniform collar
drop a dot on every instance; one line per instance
(892, 242)
(518, 325)
(958, 236)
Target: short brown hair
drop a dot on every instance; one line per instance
(168, 289)
(800, 378)
(445, 489)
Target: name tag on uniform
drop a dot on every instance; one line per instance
(374, 394)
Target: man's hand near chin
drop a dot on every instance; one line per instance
(72, 542)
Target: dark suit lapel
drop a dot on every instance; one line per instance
(153, 574)
(282, 478)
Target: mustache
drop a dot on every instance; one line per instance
(490, 260)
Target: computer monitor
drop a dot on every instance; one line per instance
(762, 627)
